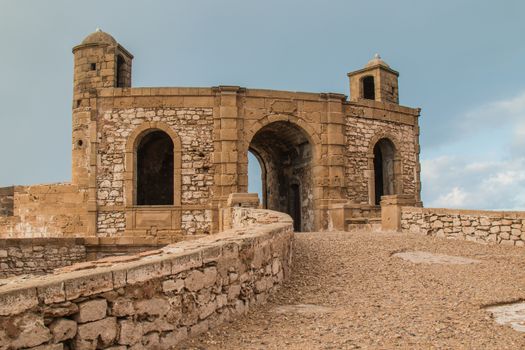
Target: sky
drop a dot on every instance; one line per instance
(461, 61)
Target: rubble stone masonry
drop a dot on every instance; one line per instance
(502, 227)
(195, 127)
(39, 255)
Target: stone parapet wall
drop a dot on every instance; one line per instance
(38, 255)
(151, 300)
(502, 227)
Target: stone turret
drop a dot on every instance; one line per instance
(377, 81)
(100, 62)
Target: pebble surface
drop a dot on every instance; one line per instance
(350, 291)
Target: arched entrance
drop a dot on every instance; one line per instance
(155, 169)
(384, 178)
(285, 154)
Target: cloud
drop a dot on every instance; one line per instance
(485, 168)
(494, 114)
(454, 182)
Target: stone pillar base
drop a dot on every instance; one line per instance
(244, 200)
(391, 210)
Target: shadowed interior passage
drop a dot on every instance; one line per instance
(155, 169)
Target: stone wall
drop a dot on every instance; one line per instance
(38, 255)
(53, 210)
(194, 127)
(503, 227)
(6, 200)
(362, 132)
(151, 300)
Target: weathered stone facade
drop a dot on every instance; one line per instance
(502, 227)
(161, 162)
(151, 300)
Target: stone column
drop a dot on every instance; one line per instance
(391, 210)
(331, 170)
(227, 134)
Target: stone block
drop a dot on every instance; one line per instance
(156, 307)
(104, 330)
(63, 329)
(146, 272)
(91, 310)
(122, 307)
(494, 229)
(504, 235)
(173, 285)
(30, 330)
(171, 339)
(17, 301)
(197, 280)
(60, 310)
(186, 262)
(88, 284)
(130, 332)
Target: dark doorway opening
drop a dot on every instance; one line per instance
(295, 206)
(369, 90)
(384, 153)
(121, 72)
(155, 169)
(378, 171)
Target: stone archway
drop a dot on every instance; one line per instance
(286, 152)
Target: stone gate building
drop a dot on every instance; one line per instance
(162, 162)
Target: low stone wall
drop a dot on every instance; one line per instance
(503, 227)
(151, 300)
(39, 255)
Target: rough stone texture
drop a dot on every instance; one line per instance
(91, 310)
(165, 295)
(6, 200)
(46, 211)
(63, 329)
(348, 291)
(495, 227)
(362, 132)
(194, 125)
(39, 255)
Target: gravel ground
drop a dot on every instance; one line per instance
(348, 291)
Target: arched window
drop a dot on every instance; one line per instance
(384, 154)
(121, 72)
(154, 179)
(369, 91)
